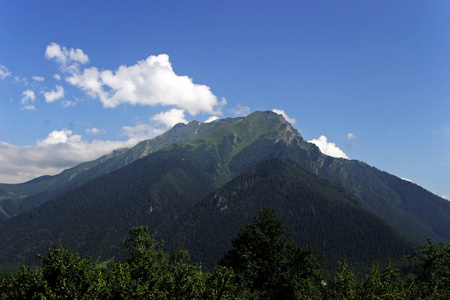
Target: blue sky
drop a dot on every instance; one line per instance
(364, 79)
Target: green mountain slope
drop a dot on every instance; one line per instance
(159, 180)
(17, 198)
(331, 220)
(94, 217)
(412, 210)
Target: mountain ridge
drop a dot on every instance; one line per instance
(25, 196)
(158, 188)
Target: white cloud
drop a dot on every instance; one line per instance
(351, 136)
(4, 72)
(149, 82)
(170, 117)
(240, 111)
(141, 132)
(54, 95)
(28, 97)
(281, 112)
(406, 179)
(446, 197)
(212, 119)
(95, 131)
(328, 148)
(60, 137)
(59, 151)
(38, 78)
(68, 59)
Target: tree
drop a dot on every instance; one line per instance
(383, 285)
(344, 284)
(151, 272)
(433, 279)
(269, 262)
(69, 276)
(63, 275)
(221, 284)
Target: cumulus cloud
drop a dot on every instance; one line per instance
(170, 117)
(4, 72)
(351, 136)
(212, 119)
(240, 111)
(60, 150)
(95, 131)
(38, 78)
(28, 97)
(328, 148)
(69, 60)
(54, 95)
(149, 82)
(281, 112)
(63, 149)
(60, 137)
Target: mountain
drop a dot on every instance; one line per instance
(17, 198)
(174, 183)
(331, 220)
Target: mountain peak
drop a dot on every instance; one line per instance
(275, 122)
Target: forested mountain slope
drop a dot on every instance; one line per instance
(159, 180)
(316, 213)
(94, 217)
(17, 198)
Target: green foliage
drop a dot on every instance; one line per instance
(148, 273)
(433, 279)
(151, 272)
(270, 264)
(64, 275)
(67, 275)
(24, 284)
(223, 283)
(343, 284)
(264, 264)
(386, 285)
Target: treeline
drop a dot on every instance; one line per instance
(264, 263)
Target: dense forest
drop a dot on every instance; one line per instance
(172, 193)
(316, 213)
(263, 263)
